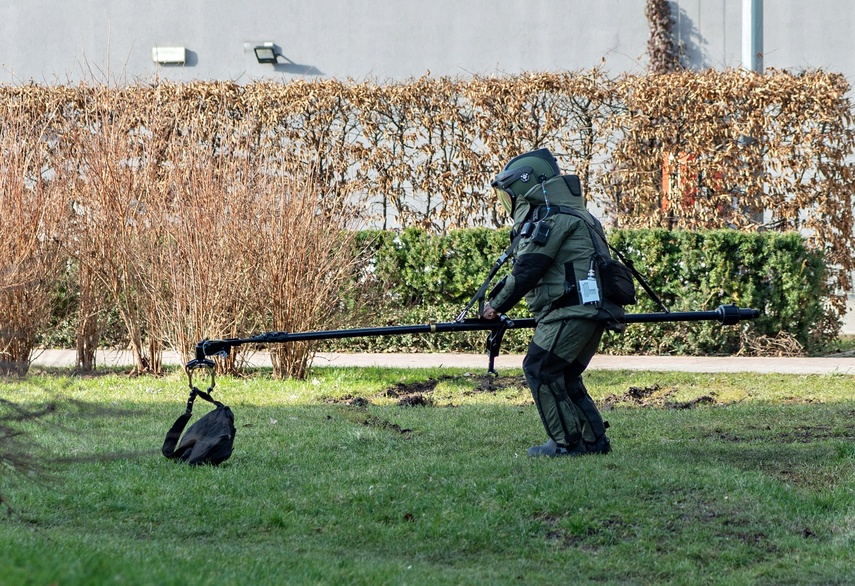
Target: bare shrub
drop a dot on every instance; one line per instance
(303, 252)
(30, 253)
(205, 281)
(91, 298)
(116, 198)
(246, 243)
(201, 287)
(249, 251)
(91, 303)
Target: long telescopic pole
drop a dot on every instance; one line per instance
(724, 314)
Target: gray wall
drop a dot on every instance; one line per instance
(58, 41)
(62, 41)
(798, 34)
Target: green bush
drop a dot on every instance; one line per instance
(416, 277)
(691, 271)
(425, 269)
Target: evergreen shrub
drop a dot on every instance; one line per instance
(415, 277)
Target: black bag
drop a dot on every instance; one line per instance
(208, 441)
(617, 281)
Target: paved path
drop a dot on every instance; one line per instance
(842, 364)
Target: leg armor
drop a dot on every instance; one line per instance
(556, 348)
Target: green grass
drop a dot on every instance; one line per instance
(754, 484)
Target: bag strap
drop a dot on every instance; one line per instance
(174, 433)
(596, 227)
(482, 290)
(208, 397)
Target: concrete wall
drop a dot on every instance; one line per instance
(54, 41)
(797, 34)
(62, 41)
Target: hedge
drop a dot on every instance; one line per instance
(415, 277)
(104, 177)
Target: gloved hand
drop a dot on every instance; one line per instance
(489, 312)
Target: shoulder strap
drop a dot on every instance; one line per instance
(482, 291)
(594, 226)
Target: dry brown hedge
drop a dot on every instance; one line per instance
(152, 178)
(737, 144)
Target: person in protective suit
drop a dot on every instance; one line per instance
(554, 271)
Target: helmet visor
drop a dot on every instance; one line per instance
(505, 198)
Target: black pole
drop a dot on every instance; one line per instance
(724, 314)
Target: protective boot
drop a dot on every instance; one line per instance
(602, 446)
(552, 450)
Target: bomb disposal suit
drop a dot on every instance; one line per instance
(555, 272)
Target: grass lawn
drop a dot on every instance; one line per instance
(384, 476)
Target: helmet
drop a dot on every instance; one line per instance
(516, 178)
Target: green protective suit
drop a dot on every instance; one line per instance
(547, 272)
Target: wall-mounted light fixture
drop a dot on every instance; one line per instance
(266, 52)
(169, 55)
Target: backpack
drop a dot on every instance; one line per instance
(208, 441)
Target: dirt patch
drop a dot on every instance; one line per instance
(652, 396)
(655, 396)
(491, 384)
(350, 400)
(415, 401)
(417, 387)
(420, 393)
(798, 401)
(376, 422)
(807, 435)
(691, 404)
(415, 394)
(358, 415)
